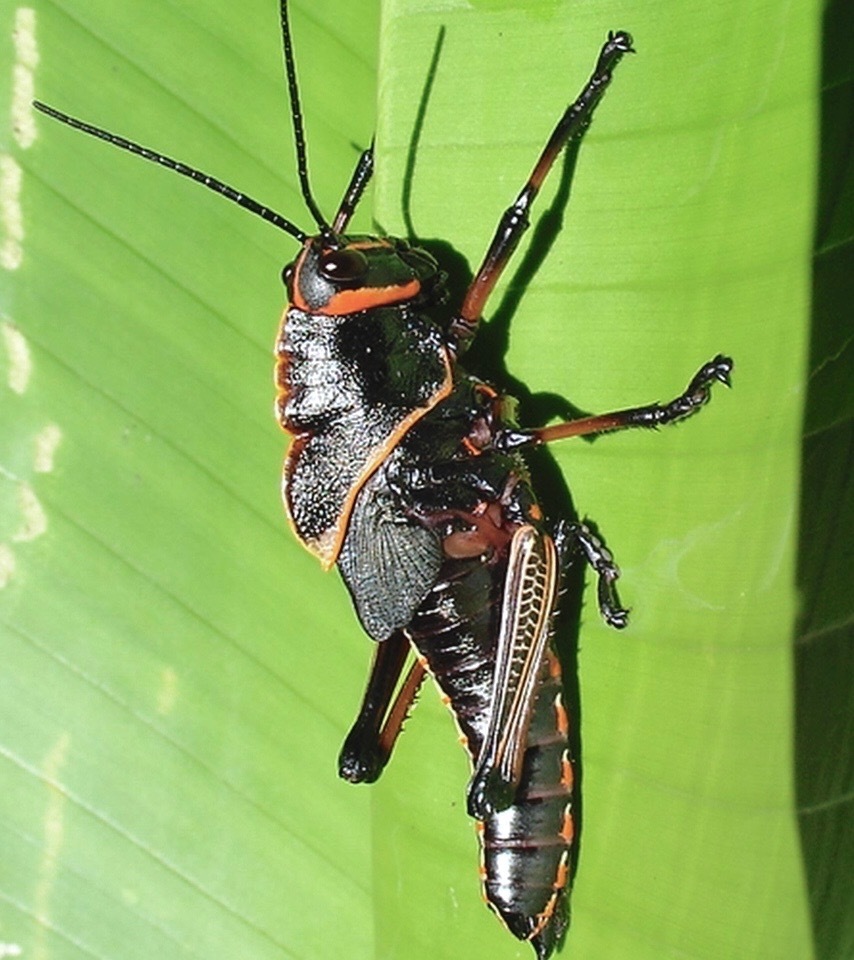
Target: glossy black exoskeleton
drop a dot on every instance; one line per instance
(409, 475)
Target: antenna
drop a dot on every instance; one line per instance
(296, 117)
(186, 171)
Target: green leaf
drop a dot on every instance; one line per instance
(173, 695)
(177, 672)
(688, 233)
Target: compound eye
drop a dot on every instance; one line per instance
(343, 266)
(288, 275)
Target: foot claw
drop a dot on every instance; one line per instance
(621, 40)
(718, 369)
(618, 618)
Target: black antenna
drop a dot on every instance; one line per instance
(358, 182)
(197, 175)
(296, 117)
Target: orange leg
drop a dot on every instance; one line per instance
(653, 415)
(515, 219)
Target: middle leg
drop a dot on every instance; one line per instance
(653, 415)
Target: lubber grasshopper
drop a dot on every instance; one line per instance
(408, 474)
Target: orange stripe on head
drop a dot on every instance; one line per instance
(366, 298)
